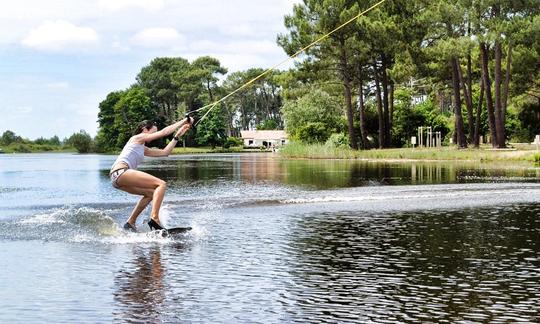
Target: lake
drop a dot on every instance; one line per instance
(273, 241)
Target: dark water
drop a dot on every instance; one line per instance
(273, 241)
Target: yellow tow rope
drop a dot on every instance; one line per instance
(212, 105)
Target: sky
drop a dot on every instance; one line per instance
(60, 58)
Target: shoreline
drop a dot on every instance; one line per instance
(518, 153)
(295, 151)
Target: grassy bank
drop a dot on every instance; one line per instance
(202, 150)
(36, 148)
(521, 152)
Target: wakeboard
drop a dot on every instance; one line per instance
(173, 231)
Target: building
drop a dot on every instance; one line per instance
(266, 138)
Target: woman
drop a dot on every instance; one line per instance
(124, 174)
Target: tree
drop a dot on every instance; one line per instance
(54, 141)
(315, 111)
(254, 104)
(107, 137)
(9, 137)
(82, 142)
(268, 124)
(162, 80)
(500, 26)
(133, 107)
(212, 130)
(312, 19)
(208, 69)
(446, 31)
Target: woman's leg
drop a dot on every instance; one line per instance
(141, 183)
(141, 205)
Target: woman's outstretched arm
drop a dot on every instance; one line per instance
(168, 149)
(165, 131)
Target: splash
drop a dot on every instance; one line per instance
(78, 225)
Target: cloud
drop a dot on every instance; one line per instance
(59, 35)
(99, 46)
(114, 5)
(21, 111)
(57, 85)
(158, 37)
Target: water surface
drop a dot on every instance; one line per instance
(273, 241)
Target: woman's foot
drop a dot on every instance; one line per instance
(130, 227)
(154, 225)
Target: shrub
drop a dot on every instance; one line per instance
(312, 117)
(82, 142)
(312, 133)
(338, 140)
(233, 141)
(22, 148)
(9, 137)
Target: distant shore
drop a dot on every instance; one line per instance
(514, 153)
(517, 152)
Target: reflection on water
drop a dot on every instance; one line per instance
(139, 287)
(322, 174)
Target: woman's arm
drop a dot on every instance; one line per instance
(165, 131)
(168, 149)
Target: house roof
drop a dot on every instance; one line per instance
(264, 134)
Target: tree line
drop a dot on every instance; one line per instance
(81, 141)
(474, 56)
(466, 68)
(169, 87)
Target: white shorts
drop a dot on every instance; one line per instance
(115, 175)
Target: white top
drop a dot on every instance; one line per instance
(132, 155)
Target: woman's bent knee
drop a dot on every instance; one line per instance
(163, 184)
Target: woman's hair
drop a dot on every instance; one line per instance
(148, 124)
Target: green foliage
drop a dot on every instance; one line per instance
(11, 142)
(253, 105)
(537, 158)
(233, 142)
(22, 148)
(318, 151)
(132, 108)
(408, 117)
(338, 140)
(82, 142)
(9, 137)
(313, 117)
(53, 141)
(107, 137)
(166, 81)
(211, 130)
(312, 132)
(514, 131)
(525, 118)
(268, 124)
(207, 69)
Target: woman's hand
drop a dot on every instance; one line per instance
(182, 130)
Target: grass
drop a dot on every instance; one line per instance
(35, 148)
(201, 150)
(484, 154)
